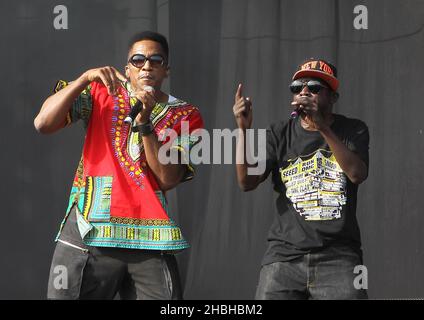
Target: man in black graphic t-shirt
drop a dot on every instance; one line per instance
(317, 160)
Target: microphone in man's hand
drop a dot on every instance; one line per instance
(135, 110)
(137, 107)
(296, 112)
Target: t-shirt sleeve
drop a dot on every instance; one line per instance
(186, 139)
(359, 141)
(82, 106)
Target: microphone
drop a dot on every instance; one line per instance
(296, 112)
(137, 107)
(135, 110)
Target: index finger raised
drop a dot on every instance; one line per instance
(238, 92)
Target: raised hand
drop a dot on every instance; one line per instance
(242, 109)
(147, 97)
(109, 76)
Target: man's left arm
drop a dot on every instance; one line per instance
(169, 175)
(353, 159)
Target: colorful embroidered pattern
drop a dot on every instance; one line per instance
(82, 106)
(141, 222)
(97, 198)
(60, 85)
(184, 145)
(119, 135)
(79, 180)
(154, 234)
(135, 146)
(135, 237)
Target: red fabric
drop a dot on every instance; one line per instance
(133, 196)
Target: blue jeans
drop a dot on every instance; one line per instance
(327, 274)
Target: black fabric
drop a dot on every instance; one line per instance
(291, 234)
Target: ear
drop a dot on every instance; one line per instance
(168, 71)
(127, 72)
(334, 97)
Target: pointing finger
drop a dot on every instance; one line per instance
(239, 92)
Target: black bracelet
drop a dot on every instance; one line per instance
(144, 128)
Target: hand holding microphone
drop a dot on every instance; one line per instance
(297, 111)
(145, 103)
(308, 108)
(301, 106)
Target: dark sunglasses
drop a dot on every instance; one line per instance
(314, 86)
(138, 60)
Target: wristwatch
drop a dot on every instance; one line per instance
(144, 128)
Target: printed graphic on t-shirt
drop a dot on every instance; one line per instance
(316, 186)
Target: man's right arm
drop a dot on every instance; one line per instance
(52, 115)
(242, 110)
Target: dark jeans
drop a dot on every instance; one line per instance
(100, 273)
(328, 274)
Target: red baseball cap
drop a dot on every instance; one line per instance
(318, 68)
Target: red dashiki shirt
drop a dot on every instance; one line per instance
(118, 201)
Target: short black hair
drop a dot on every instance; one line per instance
(150, 35)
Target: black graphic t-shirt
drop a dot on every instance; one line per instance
(316, 201)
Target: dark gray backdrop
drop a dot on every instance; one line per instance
(215, 45)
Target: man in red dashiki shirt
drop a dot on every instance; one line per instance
(117, 236)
